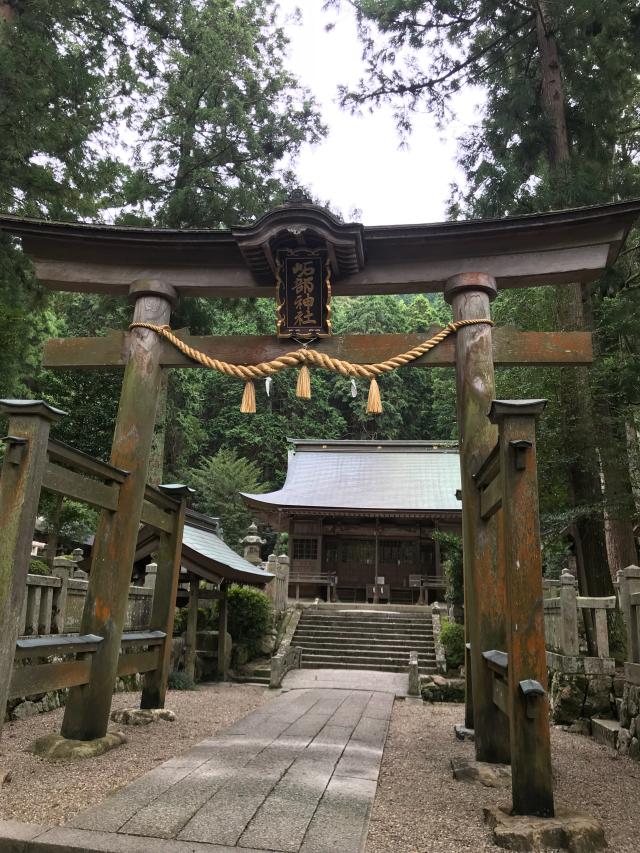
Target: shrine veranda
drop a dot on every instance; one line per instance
(507, 702)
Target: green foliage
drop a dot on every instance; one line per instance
(179, 680)
(224, 113)
(38, 567)
(452, 637)
(452, 563)
(218, 482)
(617, 636)
(250, 616)
(77, 520)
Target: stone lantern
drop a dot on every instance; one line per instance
(252, 543)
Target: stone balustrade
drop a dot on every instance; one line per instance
(54, 603)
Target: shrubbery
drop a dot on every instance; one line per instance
(452, 638)
(179, 680)
(250, 616)
(38, 567)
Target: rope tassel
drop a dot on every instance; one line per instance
(374, 403)
(303, 388)
(299, 358)
(248, 405)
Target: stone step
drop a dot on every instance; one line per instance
(605, 731)
(377, 632)
(362, 659)
(257, 678)
(340, 645)
(364, 650)
(341, 664)
(369, 620)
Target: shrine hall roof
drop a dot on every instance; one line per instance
(386, 476)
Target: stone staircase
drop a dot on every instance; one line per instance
(344, 638)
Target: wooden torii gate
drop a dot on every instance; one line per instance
(469, 262)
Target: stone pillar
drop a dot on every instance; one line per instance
(23, 468)
(150, 575)
(60, 597)
(568, 614)
(628, 584)
(87, 711)
(470, 296)
(527, 701)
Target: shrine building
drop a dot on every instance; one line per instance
(361, 516)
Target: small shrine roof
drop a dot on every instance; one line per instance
(201, 545)
(413, 477)
(204, 553)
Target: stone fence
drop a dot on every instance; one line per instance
(54, 603)
(629, 598)
(562, 605)
(278, 588)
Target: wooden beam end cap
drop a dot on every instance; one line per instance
(501, 409)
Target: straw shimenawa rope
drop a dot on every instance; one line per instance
(303, 357)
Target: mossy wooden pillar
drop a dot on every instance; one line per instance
(163, 608)
(470, 296)
(192, 628)
(528, 705)
(87, 711)
(223, 616)
(25, 459)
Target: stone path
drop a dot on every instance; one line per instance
(299, 774)
(348, 679)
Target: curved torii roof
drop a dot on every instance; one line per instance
(519, 251)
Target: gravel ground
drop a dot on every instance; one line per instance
(419, 808)
(41, 792)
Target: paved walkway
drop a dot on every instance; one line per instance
(298, 774)
(348, 679)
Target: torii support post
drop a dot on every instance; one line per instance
(164, 599)
(192, 628)
(223, 614)
(532, 781)
(87, 712)
(470, 295)
(23, 468)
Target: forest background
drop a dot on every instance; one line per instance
(181, 113)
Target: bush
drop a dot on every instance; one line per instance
(179, 680)
(206, 621)
(452, 638)
(38, 567)
(250, 616)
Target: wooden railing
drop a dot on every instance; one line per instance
(326, 579)
(36, 612)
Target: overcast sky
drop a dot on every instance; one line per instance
(360, 164)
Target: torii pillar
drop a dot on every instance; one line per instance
(87, 712)
(470, 295)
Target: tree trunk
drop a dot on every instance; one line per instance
(619, 503)
(571, 302)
